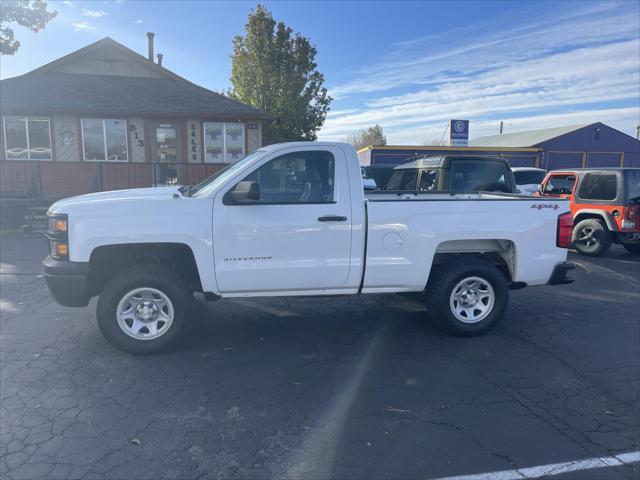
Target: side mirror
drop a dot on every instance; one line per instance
(245, 192)
(540, 189)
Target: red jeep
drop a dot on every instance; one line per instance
(605, 203)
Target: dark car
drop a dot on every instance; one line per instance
(453, 174)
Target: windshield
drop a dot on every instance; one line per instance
(633, 186)
(208, 185)
(528, 177)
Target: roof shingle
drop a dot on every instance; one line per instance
(61, 92)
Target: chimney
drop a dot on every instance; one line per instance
(150, 36)
(160, 59)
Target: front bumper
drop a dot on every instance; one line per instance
(559, 274)
(67, 281)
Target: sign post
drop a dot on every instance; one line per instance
(459, 133)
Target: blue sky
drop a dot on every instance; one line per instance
(409, 66)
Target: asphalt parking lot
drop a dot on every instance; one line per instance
(357, 387)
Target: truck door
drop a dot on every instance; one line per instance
(296, 236)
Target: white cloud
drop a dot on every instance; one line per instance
(577, 63)
(336, 113)
(581, 77)
(68, 2)
(94, 13)
(83, 27)
(620, 118)
(138, 21)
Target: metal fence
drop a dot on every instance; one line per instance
(54, 180)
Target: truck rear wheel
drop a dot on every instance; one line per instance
(591, 237)
(466, 297)
(144, 309)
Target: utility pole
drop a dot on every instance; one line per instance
(501, 125)
(638, 132)
(445, 132)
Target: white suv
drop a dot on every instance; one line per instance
(528, 179)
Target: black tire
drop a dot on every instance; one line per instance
(145, 276)
(591, 237)
(632, 248)
(443, 281)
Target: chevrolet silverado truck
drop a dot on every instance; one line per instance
(293, 219)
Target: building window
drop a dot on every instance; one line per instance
(223, 142)
(27, 138)
(104, 139)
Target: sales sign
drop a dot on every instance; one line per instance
(459, 133)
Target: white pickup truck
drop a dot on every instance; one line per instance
(293, 219)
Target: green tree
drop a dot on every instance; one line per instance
(367, 136)
(31, 14)
(275, 71)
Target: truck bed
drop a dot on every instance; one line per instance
(407, 231)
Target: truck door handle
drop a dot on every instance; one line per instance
(332, 218)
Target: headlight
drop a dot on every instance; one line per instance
(58, 224)
(58, 249)
(57, 233)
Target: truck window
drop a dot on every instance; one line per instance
(299, 177)
(474, 176)
(403, 179)
(428, 180)
(598, 186)
(560, 185)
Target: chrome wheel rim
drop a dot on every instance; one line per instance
(587, 237)
(472, 299)
(145, 313)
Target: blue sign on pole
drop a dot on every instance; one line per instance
(459, 133)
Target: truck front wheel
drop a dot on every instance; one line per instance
(144, 309)
(466, 297)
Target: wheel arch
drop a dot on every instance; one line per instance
(105, 261)
(501, 253)
(586, 213)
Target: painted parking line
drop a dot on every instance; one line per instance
(553, 468)
(593, 268)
